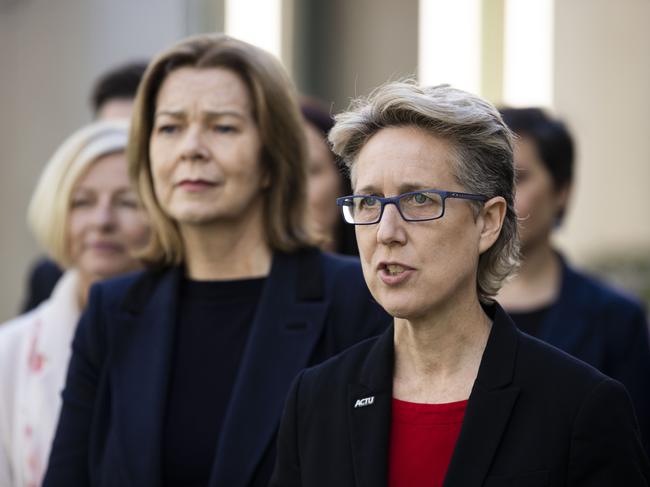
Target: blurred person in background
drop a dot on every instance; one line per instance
(325, 182)
(548, 298)
(86, 215)
(114, 91)
(453, 393)
(179, 374)
(111, 98)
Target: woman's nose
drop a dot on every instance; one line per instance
(193, 147)
(104, 215)
(390, 229)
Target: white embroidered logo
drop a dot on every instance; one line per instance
(366, 401)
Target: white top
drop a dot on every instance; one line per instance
(34, 354)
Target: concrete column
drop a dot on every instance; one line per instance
(346, 48)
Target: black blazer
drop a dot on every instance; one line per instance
(607, 329)
(110, 429)
(42, 278)
(535, 417)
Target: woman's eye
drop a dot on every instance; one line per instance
(521, 176)
(167, 128)
(315, 170)
(224, 129)
(133, 204)
(80, 203)
(368, 201)
(420, 198)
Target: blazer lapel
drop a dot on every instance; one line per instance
(369, 414)
(142, 372)
(489, 407)
(286, 327)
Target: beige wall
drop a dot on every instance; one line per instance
(602, 87)
(50, 52)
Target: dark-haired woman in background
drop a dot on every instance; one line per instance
(326, 181)
(548, 298)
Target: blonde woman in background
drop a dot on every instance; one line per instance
(86, 216)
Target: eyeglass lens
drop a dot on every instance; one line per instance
(414, 206)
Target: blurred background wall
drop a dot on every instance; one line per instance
(587, 61)
(601, 85)
(50, 54)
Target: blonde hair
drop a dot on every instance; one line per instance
(49, 208)
(278, 118)
(481, 140)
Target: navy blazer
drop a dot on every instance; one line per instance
(312, 306)
(607, 329)
(536, 417)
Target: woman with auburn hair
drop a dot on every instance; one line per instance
(453, 393)
(179, 374)
(85, 214)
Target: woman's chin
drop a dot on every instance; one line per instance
(399, 310)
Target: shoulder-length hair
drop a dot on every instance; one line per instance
(278, 118)
(481, 140)
(49, 208)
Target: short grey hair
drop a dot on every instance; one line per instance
(482, 142)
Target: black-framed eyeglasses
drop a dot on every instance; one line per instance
(415, 206)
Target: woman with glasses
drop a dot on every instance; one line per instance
(179, 374)
(452, 393)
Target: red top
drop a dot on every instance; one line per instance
(423, 437)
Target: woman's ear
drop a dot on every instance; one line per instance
(490, 221)
(562, 196)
